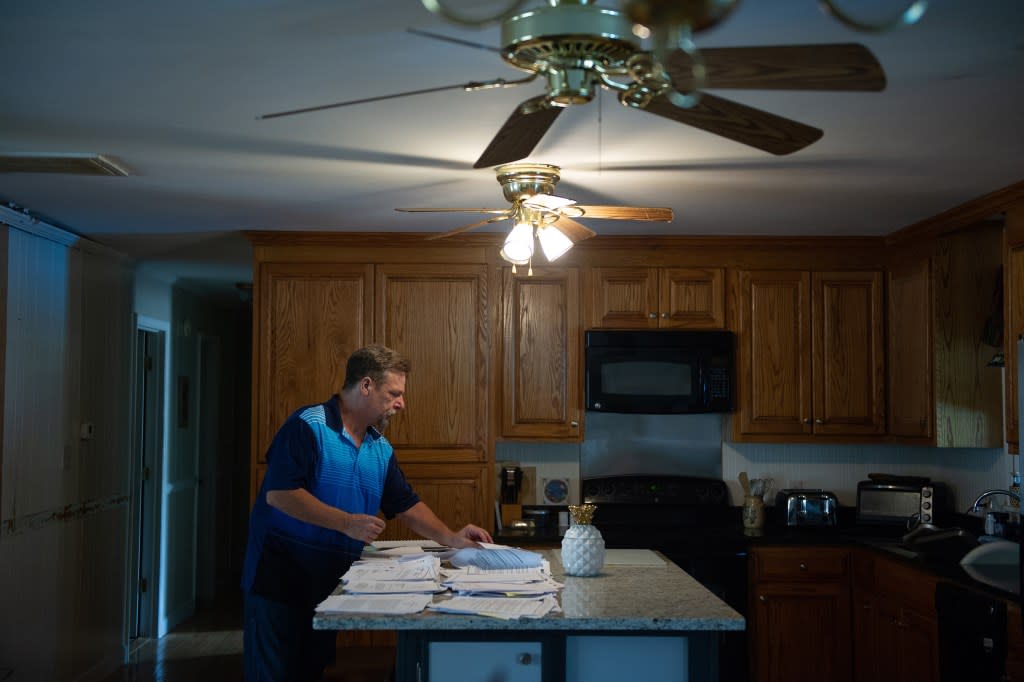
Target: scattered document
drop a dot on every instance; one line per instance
(393, 587)
(632, 557)
(386, 604)
(427, 567)
(498, 607)
(391, 544)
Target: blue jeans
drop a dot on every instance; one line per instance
(280, 644)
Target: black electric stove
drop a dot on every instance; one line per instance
(691, 521)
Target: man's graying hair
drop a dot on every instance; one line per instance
(373, 361)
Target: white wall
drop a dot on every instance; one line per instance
(832, 467)
(63, 499)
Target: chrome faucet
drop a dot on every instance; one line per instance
(990, 493)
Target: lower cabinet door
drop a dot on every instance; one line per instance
(484, 661)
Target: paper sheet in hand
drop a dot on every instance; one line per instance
(387, 604)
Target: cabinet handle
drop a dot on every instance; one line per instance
(819, 421)
(574, 424)
(524, 659)
(652, 316)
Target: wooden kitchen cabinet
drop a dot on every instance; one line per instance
(909, 312)
(811, 355)
(542, 347)
(799, 615)
(894, 621)
(1013, 303)
(312, 315)
(942, 313)
(308, 318)
(437, 317)
(653, 298)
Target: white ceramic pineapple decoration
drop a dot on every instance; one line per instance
(582, 546)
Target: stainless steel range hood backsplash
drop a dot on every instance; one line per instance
(680, 444)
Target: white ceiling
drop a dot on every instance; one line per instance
(172, 91)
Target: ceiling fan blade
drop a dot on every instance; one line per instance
(466, 228)
(453, 210)
(626, 213)
(472, 86)
(740, 123)
(450, 39)
(574, 230)
(844, 66)
(520, 133)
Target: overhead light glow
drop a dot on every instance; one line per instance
(553, 242)
(518, 248)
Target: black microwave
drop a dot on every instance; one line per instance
(660, 372)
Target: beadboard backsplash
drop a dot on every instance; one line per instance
(837, 468)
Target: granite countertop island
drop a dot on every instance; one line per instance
(650, 622)
(621, 597)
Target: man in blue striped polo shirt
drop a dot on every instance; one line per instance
(329, 470)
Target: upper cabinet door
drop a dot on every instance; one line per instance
(774, 356)
(652, 298)
(311, 316)
(692, 298)
(910, 350)
(541, 349)
(849, 356)
(436, 315)
(623, 298)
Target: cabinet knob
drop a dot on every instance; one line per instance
(524, 658)
(819, 421)
(652, 316)
(664, 316)
(807, 420)
(574, 424)
(763, 598)
(803, 566)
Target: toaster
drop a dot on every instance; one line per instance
(807, 507)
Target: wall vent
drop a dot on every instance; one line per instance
(71, 164)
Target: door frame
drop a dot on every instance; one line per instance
(144, 541)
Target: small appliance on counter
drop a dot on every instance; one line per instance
(814, 508)
(887, 499)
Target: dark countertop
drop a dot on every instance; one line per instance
(884, 539)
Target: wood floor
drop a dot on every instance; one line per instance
(209, 647)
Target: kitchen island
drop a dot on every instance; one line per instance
(629, 622)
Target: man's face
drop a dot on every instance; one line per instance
(387, 397)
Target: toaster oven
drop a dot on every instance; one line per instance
(901, 501)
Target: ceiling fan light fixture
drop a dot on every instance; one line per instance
(553, 242)
(518, 247)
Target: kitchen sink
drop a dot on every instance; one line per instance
(939, 544)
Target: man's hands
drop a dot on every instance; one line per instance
(362, 527)
(470, 535)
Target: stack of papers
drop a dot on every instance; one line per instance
(387, 604)
(498, 607)
(502, 593)
(405, 583)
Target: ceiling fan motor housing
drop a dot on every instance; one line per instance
(564, 42)
(523, 180)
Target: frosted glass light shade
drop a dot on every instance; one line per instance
(553, 242)
(518, 248)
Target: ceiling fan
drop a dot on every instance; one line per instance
(580, 48)
(536, 211)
